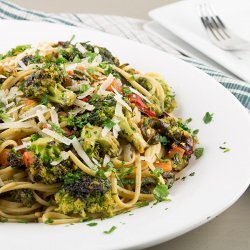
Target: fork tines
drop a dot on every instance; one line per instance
(212, 22)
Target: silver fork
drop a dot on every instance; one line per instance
(217, 31)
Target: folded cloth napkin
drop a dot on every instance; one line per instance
(129, 28)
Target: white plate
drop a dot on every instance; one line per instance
(183, 20)
(220, 178)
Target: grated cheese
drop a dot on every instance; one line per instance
(78, 147)
(56, 136)
(139, 94)
(24, 145)
(84, 105)
(54, 116)
(106, 160)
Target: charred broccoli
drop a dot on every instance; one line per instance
(15, 160)
(47, 81)
(41, 161)
(107, 56)
(81, 194)
(23, 196)
(97, 146)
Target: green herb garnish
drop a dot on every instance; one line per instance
(192, 174)
(157, 172)
(71, 178)
(111, 230)
(109, 124)
(225, 150)
(160, 192)
(92, 224)
(208, 117)
(198, 152)
(164, 140)
(49, 221)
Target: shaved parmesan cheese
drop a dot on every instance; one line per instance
(105, 131)
(119, 99)
(56, 136)
(106, 160)
(24, 145)
(17, 124)
(96, 50)
(127, 153)
(9, 105)
(97, 60)
(105, 84)
(54, 116)
(22, 65)
(118, 110)
(84, 105)
(96, 162)
(40, 116)
(139, 94)
(32, 111)
(15, 109)
(63, 156)
(80, 48)
(116, 130)
(78, 147)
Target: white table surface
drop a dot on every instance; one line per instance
(231, 229)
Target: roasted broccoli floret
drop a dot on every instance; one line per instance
(169, 100)
(105, 53)
(15, 160)
(96, 146)
(84, 194)
(17, 50)
(131, 133)
(104, 109)
(41, 161)
(47, 81)
(23, 196)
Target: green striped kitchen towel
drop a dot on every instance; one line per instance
(129, 28)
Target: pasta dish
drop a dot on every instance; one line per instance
(83, 136)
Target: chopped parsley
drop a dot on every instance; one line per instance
(157, 172)
(83, 88)
(126, 90)
(176, 158)
(196, 131)
(45, 100)
(71, 178)
(92, 224)
(91, 70)
(109, 124)
(192, 174)
(142, 204)
(188, 120)
(161, 192)
(56, 128)
(208, 117)
(198, 152)
(111, 230)
(49, 221)
(225, 150)
(164, 140)
(183, 178)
